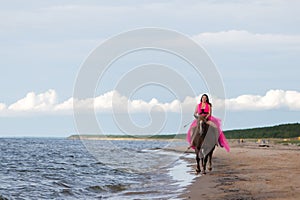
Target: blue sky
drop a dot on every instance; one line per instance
(255, 46)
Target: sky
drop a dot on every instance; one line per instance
(254, 46)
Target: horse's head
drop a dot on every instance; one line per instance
(201, 124)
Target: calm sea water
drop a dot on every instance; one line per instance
(47, 168)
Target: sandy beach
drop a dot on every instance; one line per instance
(249, 172)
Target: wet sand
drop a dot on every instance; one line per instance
(249, 172)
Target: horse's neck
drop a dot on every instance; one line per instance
(199, 126)
(202, 127)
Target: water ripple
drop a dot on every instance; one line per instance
(47, 168)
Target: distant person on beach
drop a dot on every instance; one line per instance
(204, 109)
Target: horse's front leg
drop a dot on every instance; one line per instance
(203, 163)
(198, 161)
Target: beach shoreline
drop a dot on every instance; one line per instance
(249, 172)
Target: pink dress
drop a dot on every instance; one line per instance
(222, 139)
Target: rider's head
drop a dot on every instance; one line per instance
(204, 98)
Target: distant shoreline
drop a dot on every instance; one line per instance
(181, 138)
(125, 137)
(279, 132)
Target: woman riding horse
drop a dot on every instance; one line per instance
(205, 132)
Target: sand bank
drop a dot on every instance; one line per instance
(249, 172)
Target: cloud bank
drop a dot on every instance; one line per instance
(47, 103)
(244, 39)
(273, 99)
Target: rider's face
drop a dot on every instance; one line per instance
(203, 99)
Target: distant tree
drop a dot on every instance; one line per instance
(278, 131)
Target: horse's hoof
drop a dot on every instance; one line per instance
(197, 171)
(209, 169)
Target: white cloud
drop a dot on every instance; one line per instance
(113, 100)
(243, 38)
(46, 103)
(2, 107)
(32, 102)
(92, 15)
(273, 99)
(65, 106)
(77, 27)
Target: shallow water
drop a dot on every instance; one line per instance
(48, 168)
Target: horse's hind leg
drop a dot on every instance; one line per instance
(209, 163)
(210, 159)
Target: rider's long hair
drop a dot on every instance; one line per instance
(207, 99)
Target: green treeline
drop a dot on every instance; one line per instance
(279, 131)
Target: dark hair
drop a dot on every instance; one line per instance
(207, 99)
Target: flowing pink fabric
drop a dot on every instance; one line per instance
(189, 133)
(222, 139)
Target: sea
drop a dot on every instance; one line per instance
(59, 168)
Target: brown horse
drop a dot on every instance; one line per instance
(204, 139)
